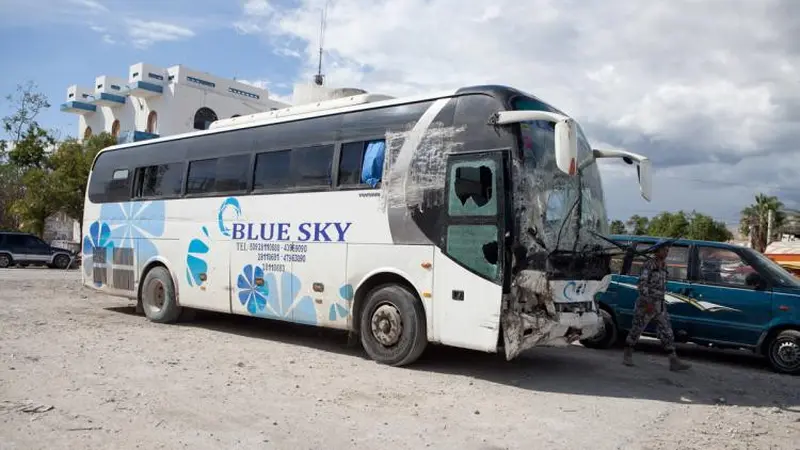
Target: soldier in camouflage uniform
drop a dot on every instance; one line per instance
(651, 305)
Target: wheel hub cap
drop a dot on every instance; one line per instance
(789, 354)
(387, 325)
(157, 294)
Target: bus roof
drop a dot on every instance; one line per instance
(494, 90)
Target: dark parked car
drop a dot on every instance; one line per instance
(26, 249)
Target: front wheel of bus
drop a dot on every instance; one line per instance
(158, 297)
(392, 326)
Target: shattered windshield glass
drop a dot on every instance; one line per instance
(547, 199)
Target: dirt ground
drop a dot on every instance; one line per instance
(82, 370)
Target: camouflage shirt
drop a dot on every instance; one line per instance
(653, 281)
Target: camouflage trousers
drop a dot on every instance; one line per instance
(644, 313)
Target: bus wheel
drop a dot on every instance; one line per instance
(392, 326)
(158, 297)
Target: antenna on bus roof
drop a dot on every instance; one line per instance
(319, 78)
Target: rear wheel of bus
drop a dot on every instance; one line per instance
(392, 325)
(158, 296)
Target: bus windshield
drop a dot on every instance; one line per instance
(549, 197)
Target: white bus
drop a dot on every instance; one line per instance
(469, 219)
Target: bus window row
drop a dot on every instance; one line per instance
(359, 165)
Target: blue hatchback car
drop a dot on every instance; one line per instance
(717, 294)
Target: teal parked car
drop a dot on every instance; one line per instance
(719, 295)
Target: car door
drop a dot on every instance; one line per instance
(34, 249)
(728, 309)
(680, 312)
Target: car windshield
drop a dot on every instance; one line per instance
(779, 275)
(548, 196)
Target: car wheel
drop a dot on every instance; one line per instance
(392, 326)
(158, 297)
(5, 261)
(607, 337)
(61, 262)
(784, 352)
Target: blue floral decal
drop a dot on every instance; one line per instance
(252, 294)
(196, 259)
(340, 309)
(281, 300)
(229, 207)
(135, 225)
(99, 237)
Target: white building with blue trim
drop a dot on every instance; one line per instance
(154, 102)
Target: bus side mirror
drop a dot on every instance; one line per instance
(566, 138)
(645, 172)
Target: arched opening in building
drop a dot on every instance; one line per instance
(152, 123)
(203, 118)
(115, 128)
(87, 133)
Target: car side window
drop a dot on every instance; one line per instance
(677, 262)
(725, 267)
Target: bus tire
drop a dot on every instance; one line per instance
(158, 296)
(393, 328)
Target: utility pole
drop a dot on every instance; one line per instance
(770, 225)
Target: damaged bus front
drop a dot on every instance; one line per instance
(559, 260)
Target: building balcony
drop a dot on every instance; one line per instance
(143, 89)
(110, 100)
(129, 136)
(77, 107)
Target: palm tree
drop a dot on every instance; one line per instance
(755, 220)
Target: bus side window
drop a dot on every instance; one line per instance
(118, 187)
(227, 174)
(272, 170)
(164, 180)
(361, 163)
(372, 171)
(312, 166)
(472, 188)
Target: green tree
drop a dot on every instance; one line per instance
(71, 163)
(27, 103)
(705, 228)
(30, 152)
(11, 189)
(755, 220)
(22, 148)
(618, 227)
(669, 224)
(638, 225)
(693, 225)
(37, 202)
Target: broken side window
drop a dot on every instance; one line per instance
(467, 244)
(372, 171)
(472, 188)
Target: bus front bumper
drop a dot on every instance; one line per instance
(539, 312)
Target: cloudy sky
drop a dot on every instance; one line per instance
(709, 89)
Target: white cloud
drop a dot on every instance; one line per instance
(702, 90)
(90, 6)
(145, 33)
(269, 86)
(108, 39)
